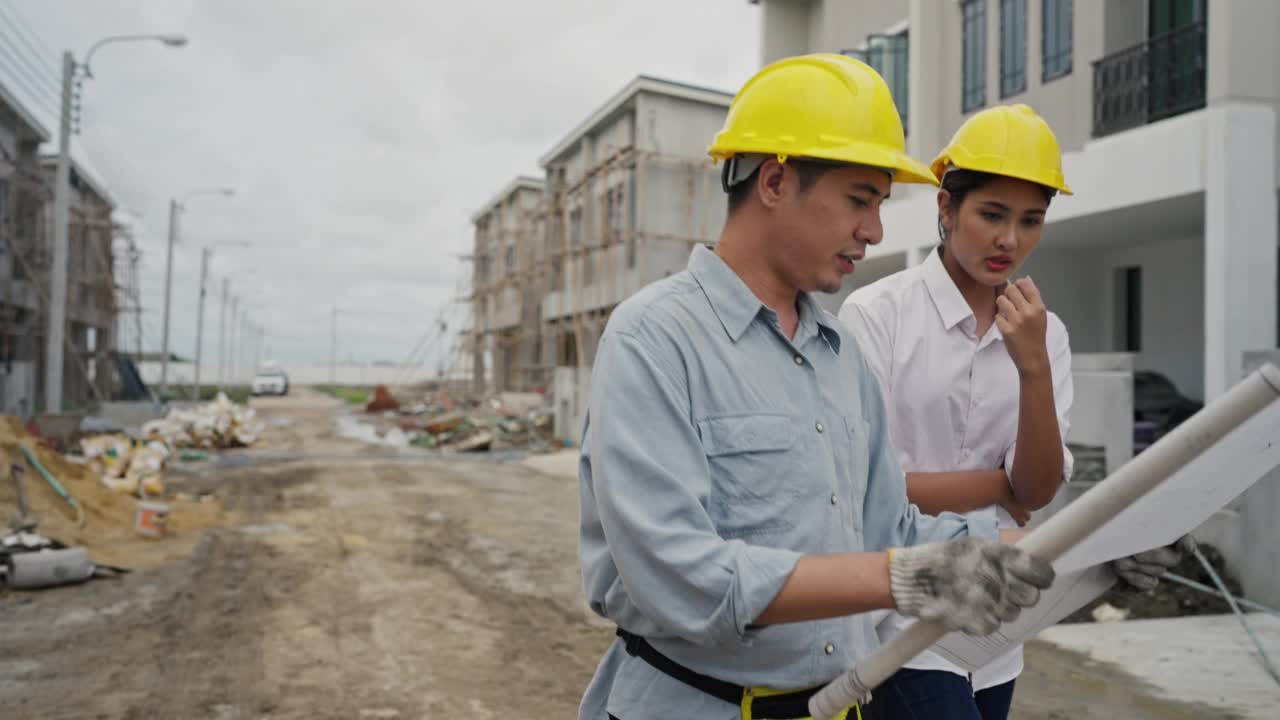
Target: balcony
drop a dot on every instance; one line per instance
(1160, 78)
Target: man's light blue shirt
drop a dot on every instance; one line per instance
(716, 453)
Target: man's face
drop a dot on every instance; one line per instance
(824, 230)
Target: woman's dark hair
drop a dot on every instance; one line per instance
(959, 183)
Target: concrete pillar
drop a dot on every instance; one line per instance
(925, 131)
(784, 29)
(1243, 54)
(1240, 236)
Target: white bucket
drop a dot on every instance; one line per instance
(150, 518)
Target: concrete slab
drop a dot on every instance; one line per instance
(1206, 660)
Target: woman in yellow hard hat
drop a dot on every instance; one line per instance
(738, 490)
(976, 373)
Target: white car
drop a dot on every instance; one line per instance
(270, 381)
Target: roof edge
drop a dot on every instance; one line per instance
(526, 182)
(641, 83)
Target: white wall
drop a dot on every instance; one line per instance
(1070, 281)
(1172, 307)
(784, 29)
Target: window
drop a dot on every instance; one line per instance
(511, 259)
(1013, 47)
(614, 211)
(887, 55)
(1055, 39)
(1128, 329)
(974, 63)
(557, 272)
(575, 227)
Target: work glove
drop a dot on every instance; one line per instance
(971, 585)
(1142, 572)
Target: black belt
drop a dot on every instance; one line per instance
(768, 707)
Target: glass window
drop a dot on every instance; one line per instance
(1055, 38)
(1013, 47)
(888, 55)
(974, 62)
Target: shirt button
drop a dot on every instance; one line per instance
(833, 499)
(829, 648)
(799, 360)
(819, 427)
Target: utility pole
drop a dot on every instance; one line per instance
(231, 345)
(204, 275)
(134, 255)
(257, 348)
(333, 347)
(222, 333)
(168, 294)
(56, 334)
(58, 280)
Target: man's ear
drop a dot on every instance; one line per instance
(771, 182)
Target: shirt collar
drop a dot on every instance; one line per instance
(822, 319)
(736, 306)
(942, 289)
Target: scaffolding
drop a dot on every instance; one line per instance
(25, 201)
(591, 241)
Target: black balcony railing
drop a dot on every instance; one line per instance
(1162, 77)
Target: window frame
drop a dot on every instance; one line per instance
(973, 49)
(1057, 49)
(1013, 47)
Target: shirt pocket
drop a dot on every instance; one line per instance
(752, 464)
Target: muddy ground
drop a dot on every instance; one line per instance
(356, 584)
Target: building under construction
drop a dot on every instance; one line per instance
(624, 197)
(26, 256)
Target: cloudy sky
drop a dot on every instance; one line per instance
(359, 135)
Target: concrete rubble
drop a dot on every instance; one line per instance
(438, 421)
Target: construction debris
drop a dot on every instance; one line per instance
(382, 401)
(127, 465)
(219, 424)
(103, 520)
(437, 421)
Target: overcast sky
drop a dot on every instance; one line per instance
(359, 135)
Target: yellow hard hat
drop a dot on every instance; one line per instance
(1009, 140)
(822, 106)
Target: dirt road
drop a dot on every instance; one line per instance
(365, 586)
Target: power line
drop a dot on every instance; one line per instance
(30, 35)
(42, 71)
(47, 100)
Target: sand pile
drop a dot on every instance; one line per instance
(108, 529)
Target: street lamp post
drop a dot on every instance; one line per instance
(205, 253)
(231, 337)
(222, 332)
(333, 348)
(56, 336)
(175, 208)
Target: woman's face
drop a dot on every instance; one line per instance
(995, 228)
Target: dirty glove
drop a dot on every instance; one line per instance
(971, 585)
(1142, 572)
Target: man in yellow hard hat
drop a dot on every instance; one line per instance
(737, 481)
